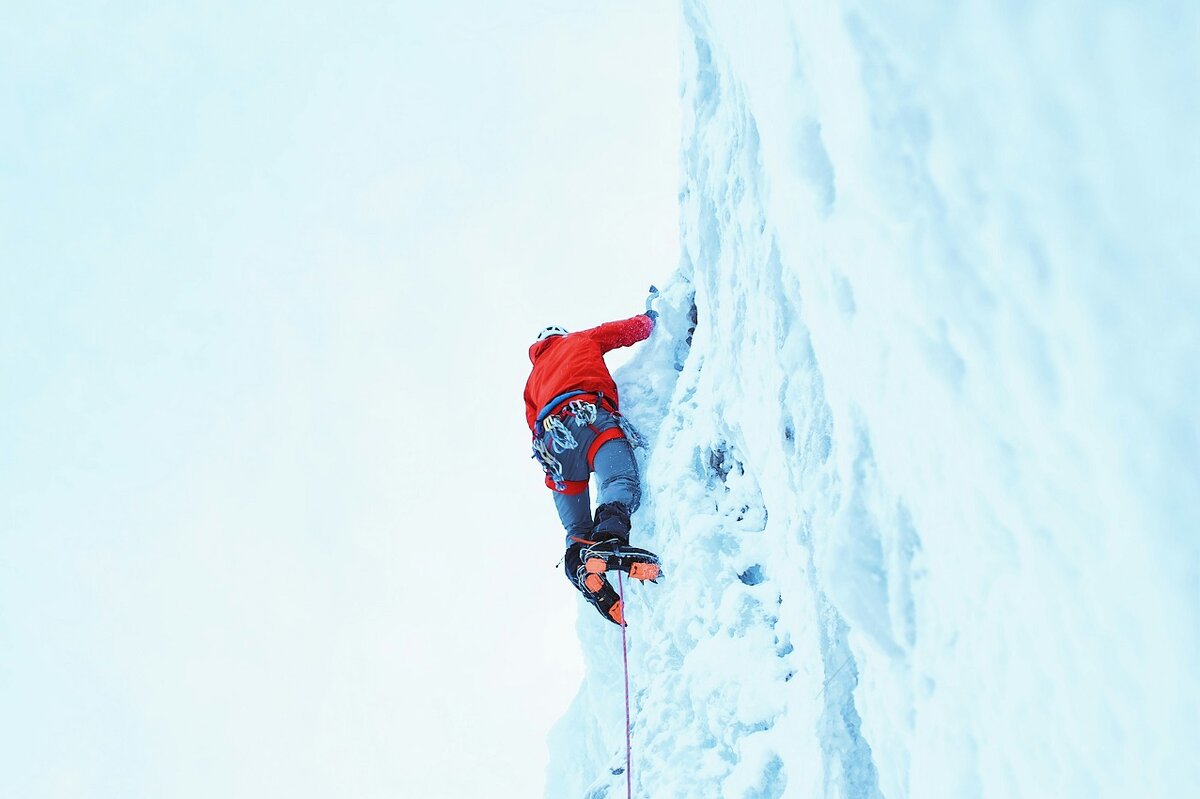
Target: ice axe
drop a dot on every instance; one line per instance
(650, 298)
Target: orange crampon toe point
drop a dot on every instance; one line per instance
(644, 571)
(617, 613)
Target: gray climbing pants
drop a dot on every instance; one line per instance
(617, 472)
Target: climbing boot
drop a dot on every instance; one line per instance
(603, 556)
(592, 583)
(611, 521)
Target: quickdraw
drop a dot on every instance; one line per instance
(635, 438)
(560, 434)
(583, 411)
(550, 464)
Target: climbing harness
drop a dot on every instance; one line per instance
(584, 414)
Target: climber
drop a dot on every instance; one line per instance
(571, 408)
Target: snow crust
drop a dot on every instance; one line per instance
(923, 458)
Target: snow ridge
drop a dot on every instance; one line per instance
(919, 485)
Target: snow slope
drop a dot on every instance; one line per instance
(926, 479)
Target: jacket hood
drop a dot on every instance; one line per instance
(538, 348)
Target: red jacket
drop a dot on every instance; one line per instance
(576, 361)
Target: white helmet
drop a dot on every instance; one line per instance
(553, 330)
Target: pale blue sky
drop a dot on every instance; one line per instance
(268, 272)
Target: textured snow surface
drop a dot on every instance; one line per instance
(926, 480)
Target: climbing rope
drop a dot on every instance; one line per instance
(828, 680)
(625, 658)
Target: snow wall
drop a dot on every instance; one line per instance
(925, 477)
